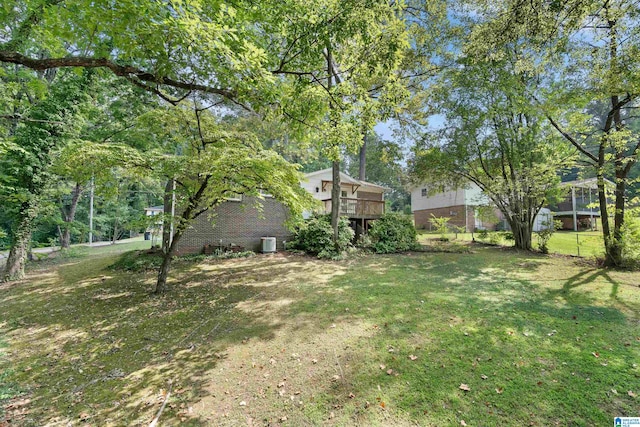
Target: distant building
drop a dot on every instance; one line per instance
(242, 221)
(360, 201)
(464, 207)
(580, 208)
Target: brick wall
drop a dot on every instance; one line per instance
(456, 213)
(238, 223)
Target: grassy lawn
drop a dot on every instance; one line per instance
(491, 338)
(582, 243)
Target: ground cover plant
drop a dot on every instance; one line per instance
(492, 338)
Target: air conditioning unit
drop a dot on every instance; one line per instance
(268, 245)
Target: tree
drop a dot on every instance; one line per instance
(588, 52)
(213, 161)
(94, 159)
(496, 140)
(335, 54)
(49, 125)
(384, 167)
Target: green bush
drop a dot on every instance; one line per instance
(315, 237)
(544, 235)
(393, 233)
(631, 243)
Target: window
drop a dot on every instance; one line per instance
(265, 194)
(234, 197)
(424, 192)
(344, 193)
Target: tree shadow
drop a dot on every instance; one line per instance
(92, 343)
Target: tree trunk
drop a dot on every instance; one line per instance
(166, 220)
(335, 201)
(613, 238)
(69, 216)
(521, 234)
(115, 232)
(163, 273)
(14, 270)
(362, 171)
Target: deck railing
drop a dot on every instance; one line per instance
(357, 208)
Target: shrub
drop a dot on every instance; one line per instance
(393, 233)
(549, 227)
(441, 225)
(315, 237)
(631, 242)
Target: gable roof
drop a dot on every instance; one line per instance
(346, 179)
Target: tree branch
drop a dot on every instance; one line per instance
(126, 71)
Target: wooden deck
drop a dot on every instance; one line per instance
(358, 208)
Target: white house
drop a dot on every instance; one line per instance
(361, 201)
(462, 206)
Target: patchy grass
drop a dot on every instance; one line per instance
(290, 340)
(580, 243)
(7, 388)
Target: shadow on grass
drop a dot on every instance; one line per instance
(527, 358)
(92, 344)
(401, 332)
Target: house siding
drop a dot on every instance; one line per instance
(237, 223)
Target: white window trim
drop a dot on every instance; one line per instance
(234, 198)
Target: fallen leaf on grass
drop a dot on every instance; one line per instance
(335, 378)
(382, 367)
(484, 377)
(462, 423)
(351, 395)
(499, 390)
(412, 357)
(389, 371)
(632, 394)
(283, 419)
(595, 354)
(382, 404)
(464, 387)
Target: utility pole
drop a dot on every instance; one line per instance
(91, 213)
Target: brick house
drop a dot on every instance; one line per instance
(461, 205)
(240, 222)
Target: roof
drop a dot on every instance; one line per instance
(591, 183)
(346, 179)
(155, 208)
